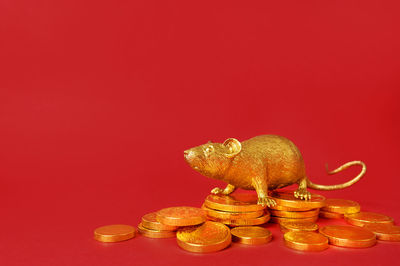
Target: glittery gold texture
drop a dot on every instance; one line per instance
(262, 163)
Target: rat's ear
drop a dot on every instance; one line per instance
(234, 147)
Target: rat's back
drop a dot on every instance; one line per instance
(282, 159)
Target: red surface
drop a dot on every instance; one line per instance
(98, 100)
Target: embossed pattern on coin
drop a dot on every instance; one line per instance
(348, 236)
(181, 216)
(305, 241)
(114, 233)
(208, 237)
(341, 206)
(251, 235)
(362, 218)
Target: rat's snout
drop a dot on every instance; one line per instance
(190, 158)
(188, 154)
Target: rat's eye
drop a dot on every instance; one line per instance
(209, 149)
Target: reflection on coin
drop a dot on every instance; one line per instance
(181, 216)
(387, 232)
(362, 218)
(296, 226)
(208, 237)
(231, 215)
(298, 214)
(287, 199)
(241, 222)
(114, 233)
(330, 215)
(348, 236)
(155, 233)
(251, 235)
(341, 206)
(306, 241)
(150, 221)
(279, 220)
(239, 202)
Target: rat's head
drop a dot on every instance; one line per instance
(213, 159)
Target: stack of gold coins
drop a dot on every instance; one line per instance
(288, 208)
(150, 227)
(336, 208)
(235, 210)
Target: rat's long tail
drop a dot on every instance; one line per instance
(337, 170)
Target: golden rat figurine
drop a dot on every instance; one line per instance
(262, 163)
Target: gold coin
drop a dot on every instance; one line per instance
(302, 214)
(181, 216)
(149, 221)
(306, 241)
(241, 222)
(283, 208)
(208, 237)
(341, 206)
(296, 226)
(348, 236)
(279, 220)
(330, 215)
(231, 215)
(114, 233)
(239, 202)
(147, 232)
(251, 235)
(386, 232)
(287, 199)
(362, 218)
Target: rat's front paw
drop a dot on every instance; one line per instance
(216, 191)
(265, 201)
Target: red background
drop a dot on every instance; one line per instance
(98, 100)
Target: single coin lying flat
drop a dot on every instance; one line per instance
(114, 233)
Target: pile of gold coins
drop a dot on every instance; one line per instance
(336, 208)
(237, 217)
(235, 210)
(290, 209)
(151, 227)
(241, 212)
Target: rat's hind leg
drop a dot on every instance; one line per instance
(228, 190)
(301, 191)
